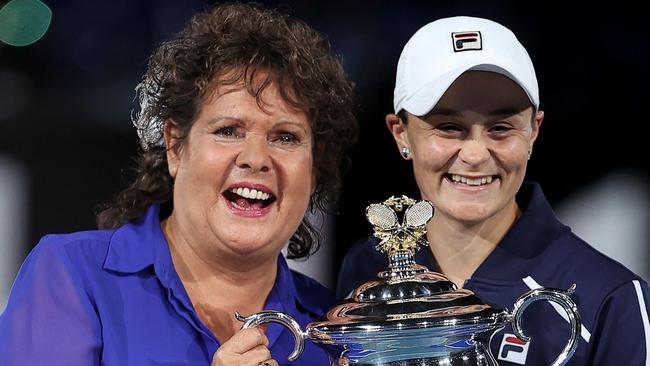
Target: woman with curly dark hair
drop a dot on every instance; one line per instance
(244, 122)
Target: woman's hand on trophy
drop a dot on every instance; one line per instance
(248, 347)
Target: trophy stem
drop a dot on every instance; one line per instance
(401, 265)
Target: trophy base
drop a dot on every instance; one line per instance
(471, 357)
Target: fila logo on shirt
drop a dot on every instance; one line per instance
(465, 41)
(513, 349)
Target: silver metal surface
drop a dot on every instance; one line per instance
(418, 215)
(561, 298)
(271, 316)
(381, 216)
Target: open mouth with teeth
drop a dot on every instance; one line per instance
(248, 199)
(471, 181)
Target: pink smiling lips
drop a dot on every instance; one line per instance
(249, 200)
(477, 182)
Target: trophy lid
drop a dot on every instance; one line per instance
(406, 300)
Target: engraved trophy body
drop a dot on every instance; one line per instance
(410, 316)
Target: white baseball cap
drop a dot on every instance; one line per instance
(441, 51)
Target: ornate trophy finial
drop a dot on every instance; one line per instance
(400, 240)
(396, 237)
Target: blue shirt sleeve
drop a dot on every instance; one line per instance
(49, 319)
(622, 328)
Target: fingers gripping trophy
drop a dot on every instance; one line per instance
(410, 316)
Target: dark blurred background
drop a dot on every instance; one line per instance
(67, 143)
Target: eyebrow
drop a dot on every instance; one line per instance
(216, 120)
(508, 111)
(301, 126)
(444, 112)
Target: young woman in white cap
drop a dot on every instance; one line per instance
(467, 117)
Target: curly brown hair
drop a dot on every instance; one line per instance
(229, 44)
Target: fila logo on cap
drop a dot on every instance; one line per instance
(513, 349)
(465, 41)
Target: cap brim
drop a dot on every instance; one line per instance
(426, 98)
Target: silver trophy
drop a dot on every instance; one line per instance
(410, 316)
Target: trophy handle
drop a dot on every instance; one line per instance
(561, 298)
(270, 316)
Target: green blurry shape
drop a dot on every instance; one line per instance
(23, 22)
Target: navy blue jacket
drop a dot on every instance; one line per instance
(541, 251)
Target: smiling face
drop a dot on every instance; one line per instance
(470, 152)
(243, 174)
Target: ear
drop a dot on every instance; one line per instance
(398, 129)
(171, 135)
(537, 123)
